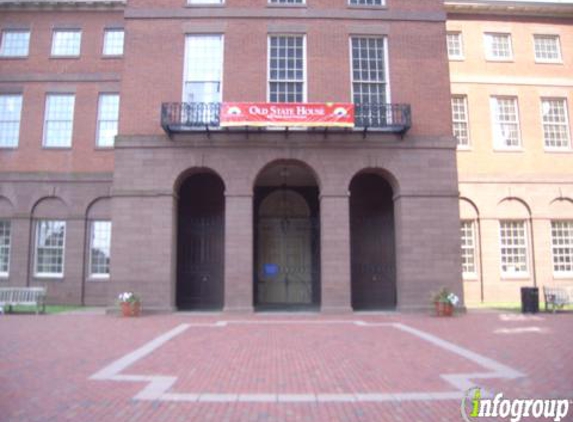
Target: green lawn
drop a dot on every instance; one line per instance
(509, 306)
(50, 309)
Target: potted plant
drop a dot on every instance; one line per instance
(130, 304)
(445, 301)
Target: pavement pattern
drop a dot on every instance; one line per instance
(276, 367)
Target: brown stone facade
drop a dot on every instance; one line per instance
(138, 183)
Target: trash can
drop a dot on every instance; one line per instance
(529, 300)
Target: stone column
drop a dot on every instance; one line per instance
(239, 252)
(335, 253)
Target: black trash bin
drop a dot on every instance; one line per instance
(529, 300)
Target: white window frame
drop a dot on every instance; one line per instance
(514, 274)
(304, 65)
(564, 124)
(3, 46)
(388, 92)
(7, 247)
(19, 97)
(367, 3)
(206, 2)
(100, 120)
(74, 54)
(45, 142)
(36, 247)
(488, 40)
(464, 98)
(569, 245)
(557, 39)
(460, 40)
(186, 64)
(92, 274)
(470, 275)
(496, 124)
(286, 2)
(106, 42)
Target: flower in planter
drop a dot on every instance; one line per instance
(446, 296)
(128, 297)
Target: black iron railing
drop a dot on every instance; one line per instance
(186, 117)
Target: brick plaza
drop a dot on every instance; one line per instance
(275, 367)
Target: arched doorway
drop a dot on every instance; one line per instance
(200, 248)
(287, 259)
(373, 256)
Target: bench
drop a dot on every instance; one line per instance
(557, 297)
(30, 296)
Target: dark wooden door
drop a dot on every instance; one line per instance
(201, 244)
(373, 269)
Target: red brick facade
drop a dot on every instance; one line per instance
(136, 184)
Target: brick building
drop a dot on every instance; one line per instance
(192, 215)
(511, 69)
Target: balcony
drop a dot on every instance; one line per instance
(179, 118)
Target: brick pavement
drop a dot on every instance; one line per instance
(274, 367)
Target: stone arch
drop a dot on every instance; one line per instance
(6, 207)
(513, 208)
(468, 209)
(383, 173)
(50, 207)
(300, 173)
(561, 208)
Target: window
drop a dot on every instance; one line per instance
(100, 246)
(562, 247)
(555, 123)
(66, 43)
(5, 234)
(505, 123)
(498, 47)
(204, 1)
(50, 239)
(113, 42)
(287, 71)
(468, 249)
(513, 248)
(366, 2)
(107, 118)
(547, 48)
(203, 68)
(455, 46)
(15, 43)
(286, 1)
(460, 120)
(369, 80)
(10, 112)
(59, 120)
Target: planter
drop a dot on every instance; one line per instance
(130, 309)
(444, 309)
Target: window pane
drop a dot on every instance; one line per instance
(5, 237)
(454, 43)
(555, 123)
(366, 2)
(562, 246)
(50, 237)
(108, 115)
(460, 119)
(505, 123)
(513, 248)
(100, 246)
(113, 42)
(468, 248)
(58, 120)
(203, 68)
(66, 43)
(286, 69)
(10, 113)
(547, 48)
(498, 46)
(15, 44)
(286, 1)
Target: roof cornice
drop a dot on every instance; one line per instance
(62, 5)
(553, 9)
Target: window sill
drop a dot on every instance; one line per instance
(470, 277)
(46, 277)
(464, 148)
(98, 148)
(287, 6)
(492, 60)
(558, 150)
(563, 276)
(112, 56)
(4, 277)
(537, 61)
(516, 277)
(57, 148)
(456, 59)
(98, 279)
(8, 148)
(65, 57)
(367, 6)
(14, 57)
(511, 150)
(202, 5)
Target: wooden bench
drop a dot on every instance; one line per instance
(30, 296)
(557, 297)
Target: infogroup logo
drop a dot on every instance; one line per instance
(474, 407)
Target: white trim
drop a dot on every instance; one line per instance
(558, 60)
(6, 274)
(460, 57)
(558, 274)
(304, 66)
(568, 147)
(464, 98)
(515, 275)
(45, 132)
(186, 61)
(49, 275)
(91, 274)
(488, 52)
(495, 121)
